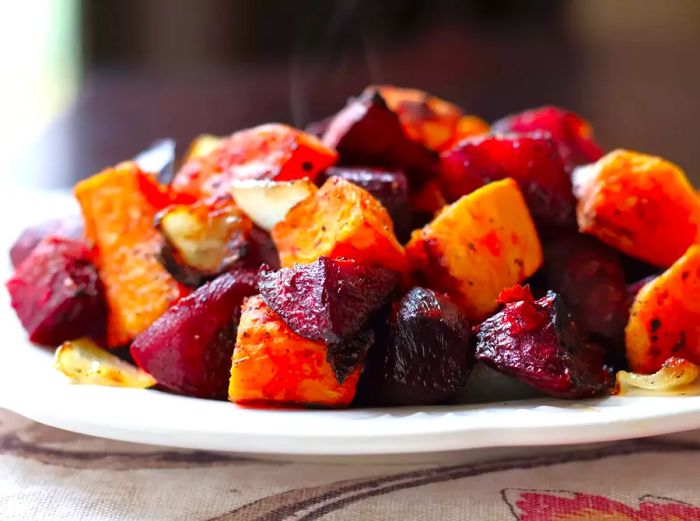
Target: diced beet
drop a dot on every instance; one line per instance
(538, 343)
(366, 132)
(344, 356)
(57, 293)
(532, 161)
(329, 299)
(589, 277)
(70, 227)
(188, 349)
(571, 133)
(260, 250)
(427, 356)
(389, 187)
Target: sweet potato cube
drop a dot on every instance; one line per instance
(340, 220)
(272, 364)
(665, 317)
(266, 152)
(639, 204)
(119, 205)
(477, 246)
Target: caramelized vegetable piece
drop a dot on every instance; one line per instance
(467, 127)
(340, 220)
(571, 133)
(84, 362)
(267, 202)
(70, 227)
(188, 349)
(533, 161)
(57, 294)
(665, 317)
(676, 377)
(537, 342)
(389, 187)
(477, 246)
(202, 146)
(267, 152)
(428, 356)
(367, 132)
(589, 277)
(119, 206)
(329, 299)
(639, 204)
(272, 364)
(202, 240)
(426, 119)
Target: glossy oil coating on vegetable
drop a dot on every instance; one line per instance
(272, 364)
(665, 317)
(476, 247)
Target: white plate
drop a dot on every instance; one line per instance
(29, 386)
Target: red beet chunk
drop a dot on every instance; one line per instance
(69, 227)
(345, 356)
(534, 163)
(389, 187)
(57, 294)
(589, 278)
(366, 132)
(428, 356)
(571, 133)
(188, 349)
(328, 300)
(538, 343)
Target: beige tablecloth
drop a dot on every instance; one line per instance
(48, 474)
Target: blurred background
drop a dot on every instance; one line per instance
(89, 83)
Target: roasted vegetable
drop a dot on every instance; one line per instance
(70, 227)
(202, 146)
(589, 277)
(267, 202)
(676, 377)
(366, 132)
(639, 204)
(57, 294)
(477, 246)
(533, 161)
(340, 220)
(429, 120)
(84, 362)
(537, 342)
(267, 152)
(571, 133)
(188, 349)
(204, 239)
(329, 299)
(119, 205)
(467, 127)
(272, 364)
(665, 317)
(427, 356)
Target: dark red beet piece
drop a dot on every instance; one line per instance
(532, 161)
(188, 349)
(70, 227)
(366, 132)
(428, 355)
(571, 133)
(589, 277)
(538, 343)
(389, 187)
(344, 356)
(57, 293)
(327, 300)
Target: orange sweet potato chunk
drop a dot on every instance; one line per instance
(639, 204)
(665, 317)
(272, 364)
(477, 246)
(339, 220)
(266, 152)
(119, 205)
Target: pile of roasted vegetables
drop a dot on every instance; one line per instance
(374, 259)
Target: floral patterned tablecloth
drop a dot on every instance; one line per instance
(48, 474)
